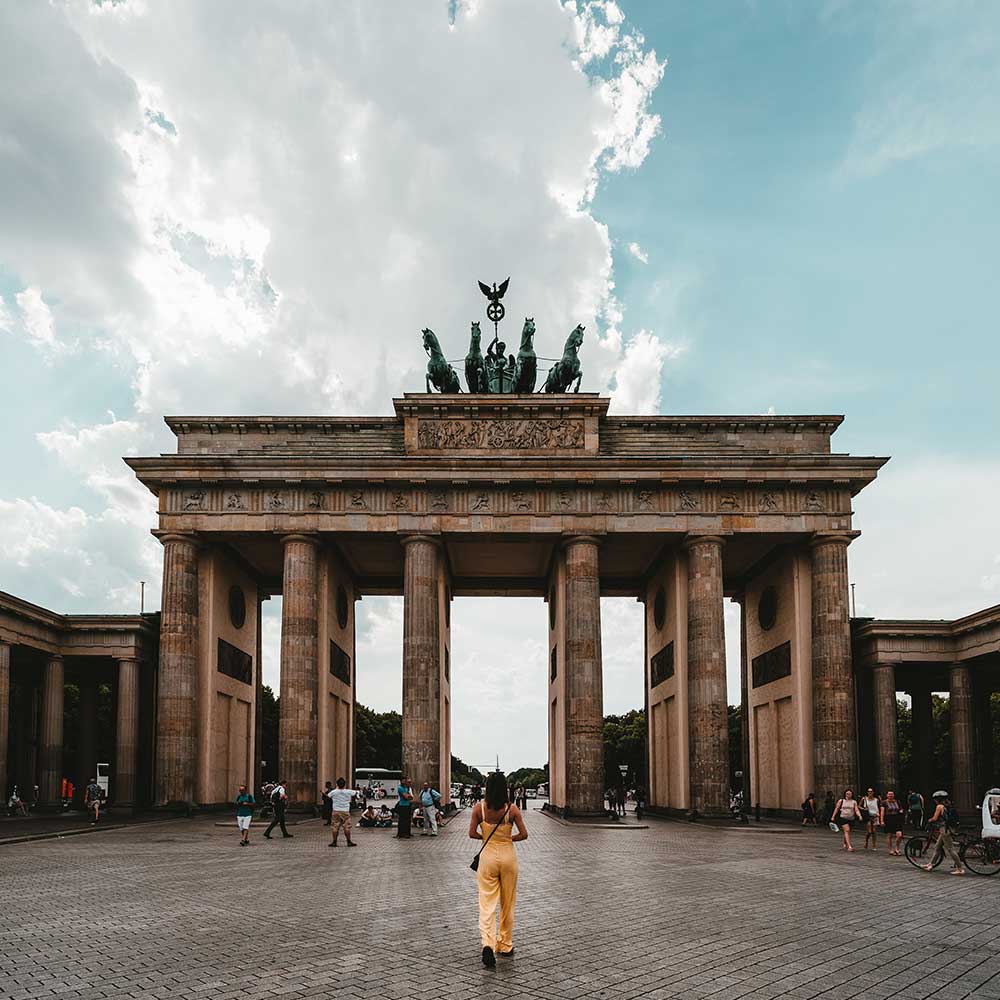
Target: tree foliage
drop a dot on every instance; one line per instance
(625, 743)
(378, 738)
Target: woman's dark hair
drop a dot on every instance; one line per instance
(496, 790)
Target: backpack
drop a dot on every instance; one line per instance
(275, 797)
(951, 817)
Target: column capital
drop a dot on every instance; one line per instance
(178, 536)
(128, 659)
(583, 539)
(833, 538)
(693, 538)
(54, 658)
(408, 537)
(299, 537)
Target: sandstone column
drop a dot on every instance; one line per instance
(984, 729)
(921, 728)
(4, 717)
(886, 752)
(584, 681)
(127, 741)
(421, 665)
(834, 728)
(962, 763)
(50, 786)
(297, 728)
(708, 723)
(86, 747)
(177, 689)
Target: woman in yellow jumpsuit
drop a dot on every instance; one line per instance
(493, 821)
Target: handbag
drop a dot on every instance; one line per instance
(475, 861)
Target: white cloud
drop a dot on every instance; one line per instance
(930, 539)
(638, 376)
(36, 320)
(640, 255)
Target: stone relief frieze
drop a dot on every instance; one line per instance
(195, 500)
(689, 500)
(500, 435)
(521, 500)
(274, 500)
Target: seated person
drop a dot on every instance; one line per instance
(384, 817)
(368, 817)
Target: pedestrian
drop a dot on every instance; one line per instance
(522, 802)
(847, 813)
(892, 822)
(244, 814)
(640, 802)
(944, 819)
(279, 801)
(477, 792)
(621, 799)
(870, 811)
(915, 809)
(430, 799)
(828, 807)
(404, 809)
(326, 807)
(92, 800)
(340, 810)
(493, 822)
(809, 809)
(612, 805)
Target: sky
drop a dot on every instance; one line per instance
(255, 208)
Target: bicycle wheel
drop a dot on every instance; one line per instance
(919, 852)
(981, 856)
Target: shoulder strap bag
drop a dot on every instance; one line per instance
(475, 861)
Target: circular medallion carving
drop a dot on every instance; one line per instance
(660, 608)
(237, 606)
(342, 606)
(552, 608)
(767, 608)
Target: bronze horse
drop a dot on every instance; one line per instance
(527, 363)
(567, 368)
(475, 373)
(439, 372)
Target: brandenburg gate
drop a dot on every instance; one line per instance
(509, 494)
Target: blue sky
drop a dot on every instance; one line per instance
(751, 205)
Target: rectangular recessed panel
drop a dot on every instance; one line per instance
(235, 663)
(340, 663)
(772, 665)
(661, 667)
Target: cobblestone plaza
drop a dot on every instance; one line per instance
(177, 909)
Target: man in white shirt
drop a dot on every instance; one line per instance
(340, 798)
(430, 799)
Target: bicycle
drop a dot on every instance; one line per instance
(981, 856)
(919, 850)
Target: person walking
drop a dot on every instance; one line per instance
(279, 801)
(915, 809)
(340, 811)
(92, 800)
(809, 809)
(892, 822)
(612, 804)
(622, 798)
(847, 813)
(870, 811)
(244, 814)
(493, 822)
(430, 800)
(640, 802)
(326, 807)
(404, 809)
(944, 819)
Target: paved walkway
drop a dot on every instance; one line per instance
(177, 909)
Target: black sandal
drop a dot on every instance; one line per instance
(489, 959)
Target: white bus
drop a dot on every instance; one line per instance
(378, 777)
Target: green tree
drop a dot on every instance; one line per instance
(269, 750)
(530, 777)
(625, 743)
(462, 774)
(378, 738)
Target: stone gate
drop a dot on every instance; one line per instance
(543, 495)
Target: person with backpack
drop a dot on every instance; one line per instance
(846, 813)
(279, 800)
(430, 799)
(244, 814)
(945, 819)
(92, 798)
(326, 808)
(915, 809)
